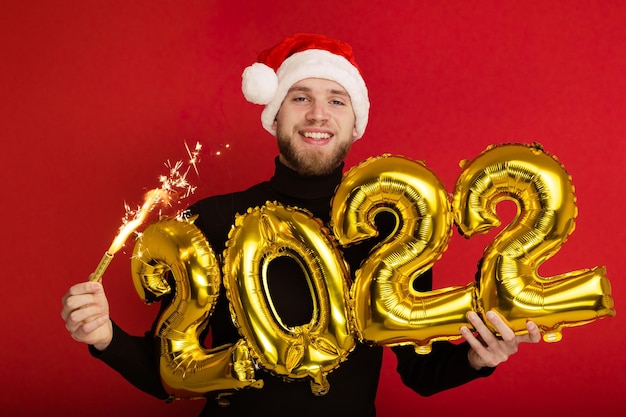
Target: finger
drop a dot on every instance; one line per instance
(534, 334)
(87, 312)
(483, 331)
(78, 333)
(473, 341)
(480, 338)
(70, 303)
(76, 302)
(476, 321)
(81, 323)
(82, 288)
(502, 327)
(94, 324)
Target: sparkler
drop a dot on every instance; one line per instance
(171, 185)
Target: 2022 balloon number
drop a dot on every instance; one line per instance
(381, 306)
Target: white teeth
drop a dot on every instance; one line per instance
(316, 135)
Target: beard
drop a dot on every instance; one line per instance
(310, 162)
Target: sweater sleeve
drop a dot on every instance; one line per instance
(445, 367)
(136, 358)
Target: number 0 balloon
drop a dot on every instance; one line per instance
(311, 350)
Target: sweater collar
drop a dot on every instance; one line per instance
(289, 182)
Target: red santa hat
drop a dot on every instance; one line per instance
(301, 56)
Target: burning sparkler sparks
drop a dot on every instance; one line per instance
(174, 186)
(194, 156)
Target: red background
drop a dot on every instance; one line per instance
(97, 95)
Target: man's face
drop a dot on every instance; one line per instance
(315, 126)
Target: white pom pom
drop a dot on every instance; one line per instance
(259, 83)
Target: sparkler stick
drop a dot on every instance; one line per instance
(163, 195)
(102, 266)
(153, 197)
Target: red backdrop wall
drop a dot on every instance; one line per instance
(97, 95)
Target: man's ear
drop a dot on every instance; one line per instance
(354, 133)
(274, 124)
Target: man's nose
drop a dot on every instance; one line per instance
(318, 111)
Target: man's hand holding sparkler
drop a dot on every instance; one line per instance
(86, 314)
(85, 306)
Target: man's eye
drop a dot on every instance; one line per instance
(299, 99)
(337, 102)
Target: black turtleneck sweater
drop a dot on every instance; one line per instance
(353, 384)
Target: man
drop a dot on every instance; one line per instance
(316, 106)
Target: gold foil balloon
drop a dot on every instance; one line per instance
(388, 310)
(382, 305)
(187, 369)
(305, 351)
(546, 212)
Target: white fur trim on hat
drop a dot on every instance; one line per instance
(259, 83)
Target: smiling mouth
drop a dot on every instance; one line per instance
(316, 135)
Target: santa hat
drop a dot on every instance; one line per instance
(301, 56)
